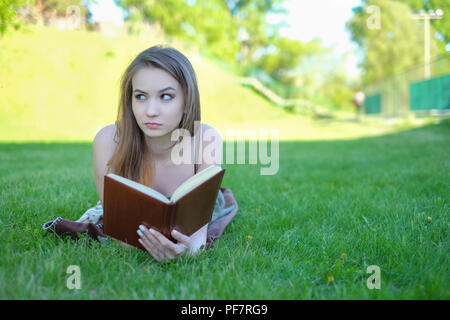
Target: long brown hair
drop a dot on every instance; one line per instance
(131, 158)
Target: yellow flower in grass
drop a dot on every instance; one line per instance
(330, 279)
(429, 219)
(374, 230)
(344, 255)
(249, 237)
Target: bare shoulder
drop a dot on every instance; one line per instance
(210, 131)
(212, 146)
(105, 138)
(206, 126)
(104, 146)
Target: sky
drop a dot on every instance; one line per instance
(308, 19)
(106, 10)
(322, 19)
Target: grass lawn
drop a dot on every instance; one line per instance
(334, 208)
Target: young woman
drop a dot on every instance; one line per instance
(159, 94)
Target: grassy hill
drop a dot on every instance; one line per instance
(63, 86)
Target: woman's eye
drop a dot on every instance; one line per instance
(167, 95)
(164, 96)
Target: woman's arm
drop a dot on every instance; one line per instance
(103, 149)
(212, 147)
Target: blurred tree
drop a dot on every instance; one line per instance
(390, 45)
(49, 8)
(441, 26)
(205, 23)
(322, 78)
(8, 14)
(229, 29)
(336, 86)
(216, 29)
(254, 32)
(282, 56)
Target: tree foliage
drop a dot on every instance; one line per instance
(250, 18)
(391, 47)
(284, 55)
(442, 26)
(34, 11)
(202, 22)
(8, 14)
(230, 29)
(59, 6)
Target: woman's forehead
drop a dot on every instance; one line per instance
(151, 79)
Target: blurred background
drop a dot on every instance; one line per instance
(320, 69)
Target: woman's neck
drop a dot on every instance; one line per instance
(160, 147)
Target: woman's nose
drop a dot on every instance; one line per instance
(153, 107)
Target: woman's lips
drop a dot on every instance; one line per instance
(153, 125)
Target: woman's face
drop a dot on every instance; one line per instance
(156, 97)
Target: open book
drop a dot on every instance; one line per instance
(128, 204)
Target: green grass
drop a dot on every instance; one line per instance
(327, 199)
(364, 188)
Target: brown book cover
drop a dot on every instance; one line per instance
(128, 204)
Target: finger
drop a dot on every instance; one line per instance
(172, 249)
(151, 242)
(145, 233)
(160, 237)
(181, 238)
(159, 242)
(150, 249)
(166, 248)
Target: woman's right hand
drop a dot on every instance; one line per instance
(163, 250)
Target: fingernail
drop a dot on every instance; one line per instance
(139, 232)
(152, 231)
(142, 227)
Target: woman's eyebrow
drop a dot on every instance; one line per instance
(168, 88)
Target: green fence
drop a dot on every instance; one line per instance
(408, 91)
(431, 94)
(372, 104)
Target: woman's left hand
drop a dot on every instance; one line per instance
(161, 248)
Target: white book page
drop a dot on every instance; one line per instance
(194, 181)
(140, 187)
